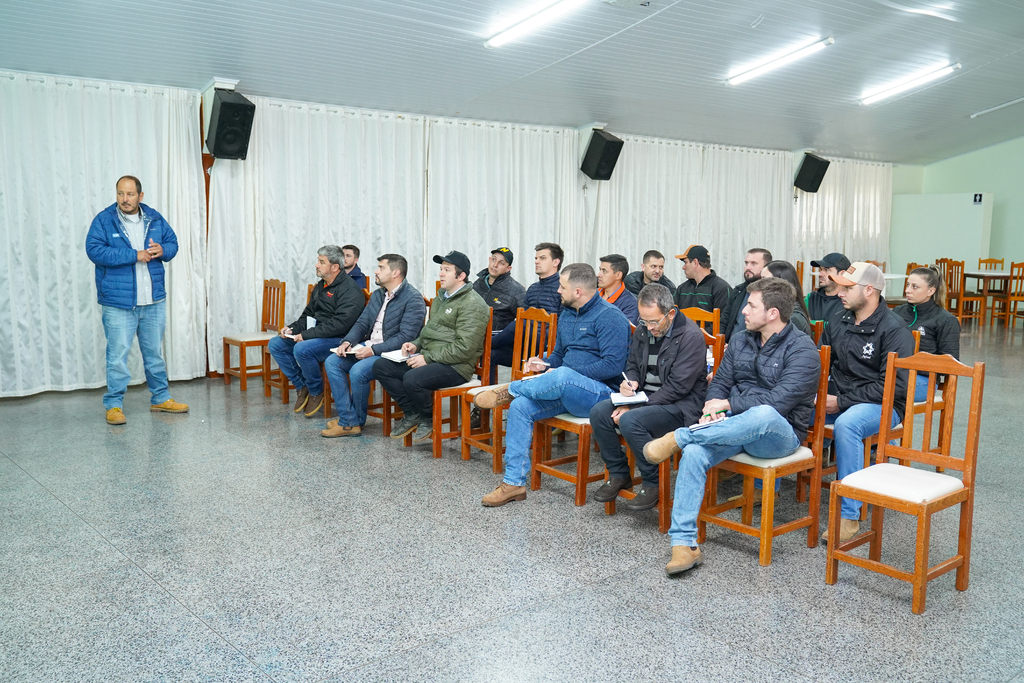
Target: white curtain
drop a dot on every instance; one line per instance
(63, 144)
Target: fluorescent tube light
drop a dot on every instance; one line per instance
(781, 60)
(909, 84)
(534, 22)
(996, 108)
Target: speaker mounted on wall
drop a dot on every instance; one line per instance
(602, 153)
(230, 125)
(811, 173)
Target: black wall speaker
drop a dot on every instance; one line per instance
(602, 153)
(230, 124)
(811, 173)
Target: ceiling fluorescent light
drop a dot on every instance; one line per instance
(997, 107)
(532, 23)
(909, 84)
(776, 62)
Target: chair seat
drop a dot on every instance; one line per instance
(476, 390)
(802, 453)
(905, 483)
(250, 337)
(475, 382)
(569, 417)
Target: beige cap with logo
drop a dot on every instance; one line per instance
(861, 273)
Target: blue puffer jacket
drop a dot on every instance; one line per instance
(108, 247)
(403, 319)
(593, 341)
(544, 294)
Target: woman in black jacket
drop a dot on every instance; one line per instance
(785, 271)
(925, 311)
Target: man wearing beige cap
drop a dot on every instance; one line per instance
(861, 339)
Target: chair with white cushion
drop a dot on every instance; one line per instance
(807, 458)
(272, 321)
(918, 492)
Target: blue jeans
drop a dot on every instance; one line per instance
(300, 362)
(921, 390)
(120, 325)
(341, 370)
(562, 390)
(760, 432)
(848, 431)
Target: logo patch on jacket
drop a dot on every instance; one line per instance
(921, 330)
(867, 351)
(330, 293)
(448, 311)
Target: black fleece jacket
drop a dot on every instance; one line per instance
(335, 306)
(940, 330)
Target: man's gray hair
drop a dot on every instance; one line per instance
(656, 295)
(333, 253)
(581, 275)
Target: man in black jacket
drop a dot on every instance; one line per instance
(703, 288)
(652, 271)
(299, 348)
(732, 317)
(823, 303)
(667, 361)
(499, 289)
(765, 387)
(861, 340)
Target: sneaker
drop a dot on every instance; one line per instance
(495, 396)
(337, 430)
(610, 489)
(683, 558)
(848, 528)
(424, 430)
(405, 426)
(314, 404)
(646, 499)
(661, 449)
(301, 396)
(505, 493)
(115, 417)
(169, 406)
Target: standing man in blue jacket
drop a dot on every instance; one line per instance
(393, 316)
(591, 346)
(129, 243)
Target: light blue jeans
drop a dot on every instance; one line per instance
(562, 390)
(921, 389)
(848, 431)
(300, 362)
(120, 325)
(759, 431)
(341, 370)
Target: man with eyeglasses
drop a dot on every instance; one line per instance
(667, 361)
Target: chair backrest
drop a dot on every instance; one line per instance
(483, 366)
(272, 319)
(715, 342)
(535, 336)
(800, 273)
(818, 328)
(1016, 284)
(953, 274)
(309, 293)
(917, 340)
(880, 264)
(934, 366)
(913, 266)
(366, 296)
(990, 263)
(816, 434)
(703, 318)
(437, 286)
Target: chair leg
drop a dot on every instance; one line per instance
(767, 518)
(497, 464)
(831, 563)
(877, 524)
(814, 507)
(464, 405)
(963, 572)
(710, 484)
(582, 467)
(438, 419)
(541, 449)
(748, 500)
(924, 528)
(664, 496)
(867, 464)
(227, 362)
(243, 367)
(266, 373)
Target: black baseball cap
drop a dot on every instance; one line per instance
(833, 260)
(456, 258)
(505, 252)
(696, 252)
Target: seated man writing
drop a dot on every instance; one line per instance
(765, 385)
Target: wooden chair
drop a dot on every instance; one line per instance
(716, 344)
(880, 264)
(704, 318)
(818, 328)
(1014, 295)
(275, 379)
(455, 394)
(272, 321)
(534, 336)
(800, 274)
(807, 459)
(953, 274)
(999, 291)
(915, 491)
(913, 266)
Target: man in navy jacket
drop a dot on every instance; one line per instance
(591, 346)
(129, 243)
(394, 315)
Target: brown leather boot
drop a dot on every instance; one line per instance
(683, 558)
(115, 417)
(661, 449)
(338, 430)
(505, 493)
(495, 396)
(169, 406)
(848, 528)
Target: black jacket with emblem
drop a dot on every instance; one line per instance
(504, 295)
(859, 354)
(783, 373)
(336, 307)
(682, 366)
(940, 330)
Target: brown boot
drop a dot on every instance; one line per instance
(757, 495)
(169, 406)
(314, 404)
(333, 422)
(495, 396)
(661, 449)
(115, 417)
(505, 493)
(301, 396)
(337, 430)
(683, 558)
(848, 528)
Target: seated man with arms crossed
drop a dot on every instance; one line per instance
(299, 348)
(703, 288)
(443, 355)
(667, 361)
(610, 274)
(765, 386)
(652, 271)
(590, 353)
(393, 316)
(499, 289)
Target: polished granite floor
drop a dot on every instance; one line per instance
(235, 544)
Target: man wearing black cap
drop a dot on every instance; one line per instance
(703, 288)
(824, 302)
(445, 353)
(502, 293)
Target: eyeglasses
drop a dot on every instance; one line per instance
(652, 323)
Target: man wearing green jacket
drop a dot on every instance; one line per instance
(445, 353)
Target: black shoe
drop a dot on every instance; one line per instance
(611, 488)
(405, 426)
(645, 500)
(424, 431)
(474, 418)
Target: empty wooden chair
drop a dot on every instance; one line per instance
(969, 305)
(902, 488)
(913, 266)
(880, 264)
(1005, 303)
(703, 318)
(272, 320)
